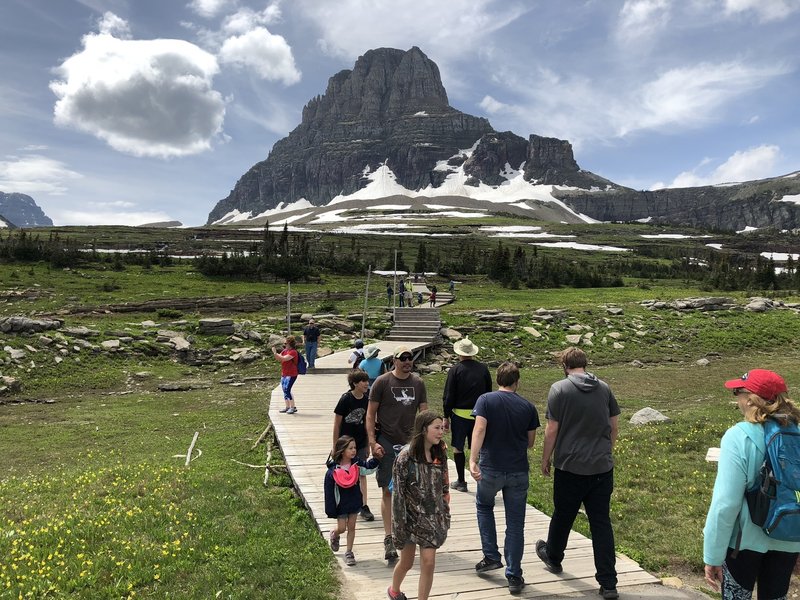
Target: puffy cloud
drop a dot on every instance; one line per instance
(103, 215)
(640, 19)
(349, 27)
(492, 106)
(210, 8)
(767, 10)
(111, 24)
(143, 97)
(33, 173)
(744, 165)
(267, 54)
(246, 19)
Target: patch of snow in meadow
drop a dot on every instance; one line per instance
(449, 207)
(388, 207)
(291, 219)
(353, 231)
(795, 198)
(579, 246)
(715, 246)
(524, 235)
(511, 228)
(645, 220)
(367, 226)
(747, 229)
(390, 272)
(670, 236)
(780, 256)
(332, 216)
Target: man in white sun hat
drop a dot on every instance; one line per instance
(465, 382)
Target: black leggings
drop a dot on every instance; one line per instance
(771, 570)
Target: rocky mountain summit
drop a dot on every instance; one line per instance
(385, 130)
(20, 210)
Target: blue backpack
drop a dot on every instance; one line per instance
(774, 500)
(302, 365)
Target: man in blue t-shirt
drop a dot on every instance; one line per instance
(505, 427)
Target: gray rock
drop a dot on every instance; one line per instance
(450, 334)
(110, 344)
(533, 331)
(637, 363)
(180, 343)
(618, 346)
(80, 331)
(649, 415)
(574, 339)
(9, 385)
(614, 310)
(15, 353)
(703, 362)
(19, 324)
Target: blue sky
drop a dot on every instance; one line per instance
(133, 111)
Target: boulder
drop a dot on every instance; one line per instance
(218, 326)
(533, 331)
(80, 331)
(110, 344)
(9, 385)
(574, 339)
(19, 324)
(703, 362)
(649, 415)
(614, 310)
(450, 334)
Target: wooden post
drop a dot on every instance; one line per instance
(366, 298)
(289, 309)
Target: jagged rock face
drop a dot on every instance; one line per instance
(550, 161)
(493, 153)
(391, 107)
(728, 207)
(21, 210)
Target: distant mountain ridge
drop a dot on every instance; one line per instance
(21, 210)
(385, 128)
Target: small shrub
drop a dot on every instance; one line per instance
(327, 305)
(169, 313)
(109, 286)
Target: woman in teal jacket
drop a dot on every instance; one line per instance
(760, 559)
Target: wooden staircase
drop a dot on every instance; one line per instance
(420, 325)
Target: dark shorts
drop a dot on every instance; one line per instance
(384, 472)
(461, 431)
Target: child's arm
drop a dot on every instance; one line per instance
(330, 494)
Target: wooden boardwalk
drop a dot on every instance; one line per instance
(305, 439)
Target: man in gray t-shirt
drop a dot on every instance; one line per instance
(394, 400)
(582, 415)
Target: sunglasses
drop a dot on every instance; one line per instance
(405, 357)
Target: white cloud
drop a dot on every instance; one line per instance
(33, 173)
(246, 19)
(350, 27)
(210, 8)
(744, 165)
(766, 10)
(111, 24)
(641, 19)
(265, 53)
(581, 109)
(66, 216)
(143, 97)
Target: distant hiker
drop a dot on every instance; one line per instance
(401, 293)
(372, 365)
(311, 335)
(419, 297)
(409, 297)
(581, 430)
(350, 420)
(420, 503)
(357, 354)
(288, 358)
(505, 428)
(433, 297)
(343, 499)
(452, 287)
(389, 293)
(738, 554)
(394, 400)
(466, 381)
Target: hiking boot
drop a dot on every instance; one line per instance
(366, 513)
(291, 411)
(389, 553)
(487, 564)
(284, 410)
(395, 595)
(349, 558)
(549, 564)
(515, 584)
(459, 486)
(608, 593)
(334, 539)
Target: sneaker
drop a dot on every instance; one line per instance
(459, 486)
(283, 410)
(366, 513)
(334, 538)
(291, 411)
(609, 593)
(349, 559)
(389, 552)
(395, 595)
(549, 564)
(515, 584)
(487, 564)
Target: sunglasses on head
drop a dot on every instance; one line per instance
(405, 357)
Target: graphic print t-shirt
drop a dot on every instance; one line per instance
(353, 412)
(398, 400)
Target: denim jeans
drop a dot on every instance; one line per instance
(311, 353)
(594, 492)
(515, 494)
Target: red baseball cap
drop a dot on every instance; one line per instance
(764, 383)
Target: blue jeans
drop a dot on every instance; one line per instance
(594, 492)
(311, 353)
(515, 495)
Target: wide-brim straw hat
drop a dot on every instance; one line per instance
(465, 347)
(371, 351)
